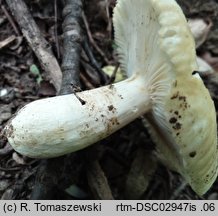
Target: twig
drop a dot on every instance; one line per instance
(8, 66)
(98, 182)
(91, 73)
(109, 27)
(92, 41)
(72, 33)
(50, 171)
(86, 82)
(7, 41)
(8, 169)
(10, 19)
(56, 30)
(178, 190)
(36, 41)
(94, 63)
(113, 76)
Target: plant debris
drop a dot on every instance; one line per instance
(115, 159)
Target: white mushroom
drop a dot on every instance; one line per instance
(55, 126)
(157, 52)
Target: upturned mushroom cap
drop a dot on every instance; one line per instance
(154, 41)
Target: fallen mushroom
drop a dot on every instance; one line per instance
(157, 52)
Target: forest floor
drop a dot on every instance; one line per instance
(122, 167)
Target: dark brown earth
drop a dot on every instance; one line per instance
(122, 162)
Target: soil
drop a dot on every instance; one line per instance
(22, 80)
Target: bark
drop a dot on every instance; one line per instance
(72, 34)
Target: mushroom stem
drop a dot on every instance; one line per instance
(55, 126)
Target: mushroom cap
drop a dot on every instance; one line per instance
(155, 42)
(186, 135)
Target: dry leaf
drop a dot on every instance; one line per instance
(200, 29)
(18, 159)
(141, 171)
(204, 67)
